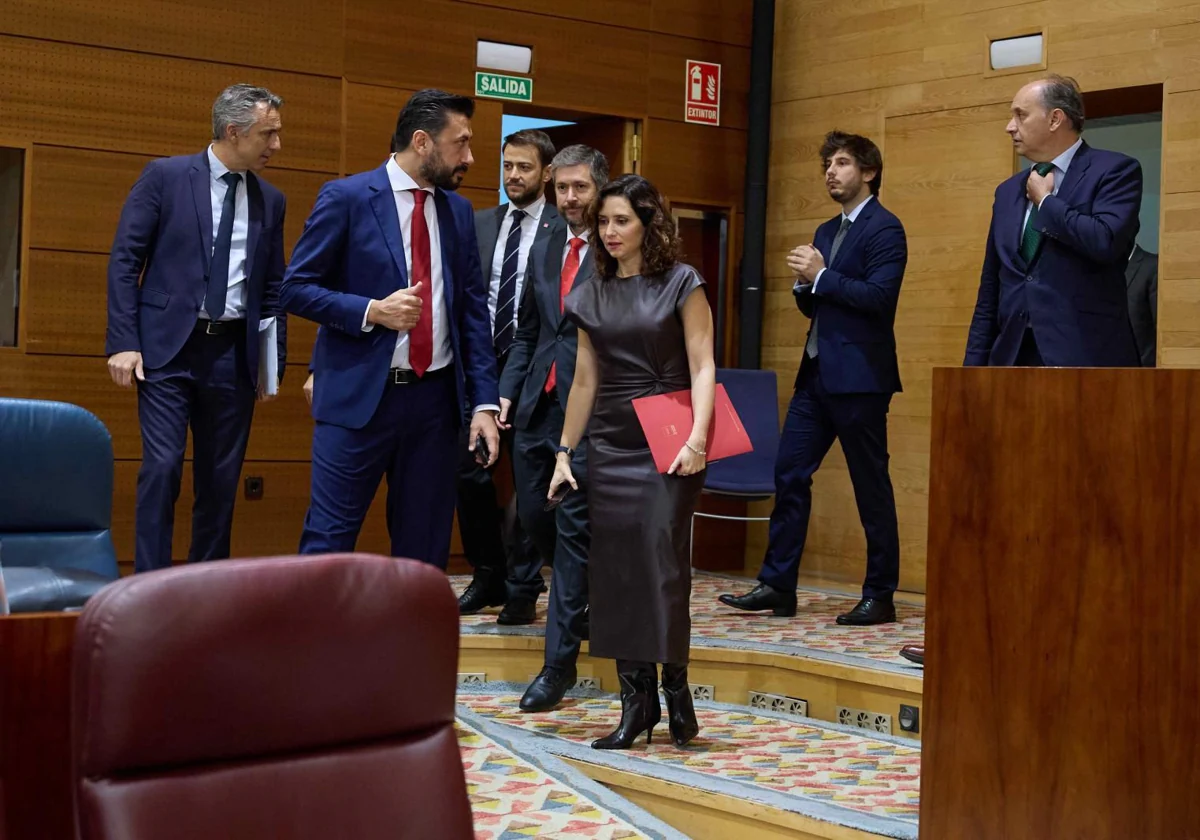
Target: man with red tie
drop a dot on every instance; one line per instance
(534, 389)
(388, 265)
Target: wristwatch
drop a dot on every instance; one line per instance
(564, 450)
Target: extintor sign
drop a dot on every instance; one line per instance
(702, 100)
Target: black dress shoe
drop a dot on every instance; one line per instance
(547, 689)
(763, 597)
(481, 594)
(518, 612)
(869, 611)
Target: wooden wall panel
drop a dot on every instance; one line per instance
(284, 34)
(631, 14)
(910, 74)
(695, 161)
(90, 98)
(728, 22)
(78, 195)
(437, 49)
(429, 49)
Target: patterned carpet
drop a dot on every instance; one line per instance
(520, 793)
(813, 632)
(817, 769)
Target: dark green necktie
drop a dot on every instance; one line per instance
(1031, 238)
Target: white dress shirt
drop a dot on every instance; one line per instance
(235, 297)
(853, 217)
(1061, 164)
(529, 229)
(405, 205)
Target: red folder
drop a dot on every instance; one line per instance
(667, 422)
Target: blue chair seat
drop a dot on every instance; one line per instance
(57, 488)
(749, 477)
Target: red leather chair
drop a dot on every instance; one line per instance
(286, 698)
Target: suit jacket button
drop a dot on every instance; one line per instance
(559, 338)
(1029, 279)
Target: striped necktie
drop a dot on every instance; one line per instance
(504, 328)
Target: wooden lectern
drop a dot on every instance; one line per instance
(35, 726)
(1062, 667)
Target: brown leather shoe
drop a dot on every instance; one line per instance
(914, 653)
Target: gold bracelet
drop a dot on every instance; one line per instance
(701, 452)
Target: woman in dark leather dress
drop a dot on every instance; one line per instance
(645, 328)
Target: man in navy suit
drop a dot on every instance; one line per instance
(848, 283)
(506, 566)
(533, 395)
(389, 267)
(1053, 290)
(204, 234)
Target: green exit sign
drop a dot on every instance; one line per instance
(499, 86)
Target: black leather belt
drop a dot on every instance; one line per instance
(220, 327)
(404, 376)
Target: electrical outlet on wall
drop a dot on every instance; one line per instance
(254, 487)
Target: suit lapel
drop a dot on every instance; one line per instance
(855, 232)
(1019, 205)
(254, 201)
(202, 195)
(1079, 167)
(448, 235)
(552, 271)
(493, 237)
(383, 204)
(547, 225)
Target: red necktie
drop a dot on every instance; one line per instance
(420, 337)
(565, 281)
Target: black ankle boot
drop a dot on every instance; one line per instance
(681, 714)
(640, 710)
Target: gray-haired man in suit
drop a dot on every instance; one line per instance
(506, 235)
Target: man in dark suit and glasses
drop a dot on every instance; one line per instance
(389, 267)
(1052, 290)
(848, 283)
(505, 234)
(204, 236)
(533, 396)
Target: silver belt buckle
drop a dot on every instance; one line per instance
(209, 328)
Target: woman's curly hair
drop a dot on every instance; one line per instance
(661, 246)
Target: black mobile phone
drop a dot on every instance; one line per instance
(482, 453)
(556, 500)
